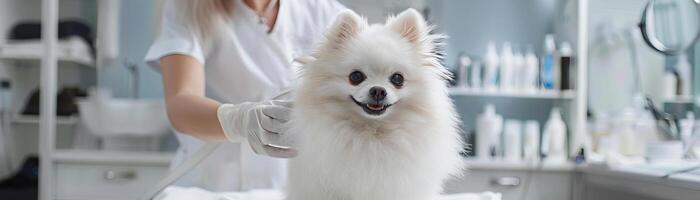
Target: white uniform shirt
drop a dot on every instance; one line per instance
(243, 64)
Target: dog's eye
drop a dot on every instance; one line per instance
(396, 80)
(356, 77)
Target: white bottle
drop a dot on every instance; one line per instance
(490, 67)
(531, 71)
(506, 68)
(518, 71)
(488, 130)
(512, 140)
(464, 62)
(554, 138)
(476, 75)
(531, 141)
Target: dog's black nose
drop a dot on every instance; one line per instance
(377, 93)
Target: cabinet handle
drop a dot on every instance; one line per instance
(505, 181)
(114, 175)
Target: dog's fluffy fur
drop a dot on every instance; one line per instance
(404, 151)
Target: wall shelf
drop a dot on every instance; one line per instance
(68, 50)
(540, 94)
(679, 99)
(522, 165)
(92, 156)
(34, 119)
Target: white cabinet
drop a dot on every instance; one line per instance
(512, 184)
(519, 181)
(102, 181)
(86, 175)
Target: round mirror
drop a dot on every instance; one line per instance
(670, 26)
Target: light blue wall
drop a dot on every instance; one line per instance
(136, 34)
(471, 24)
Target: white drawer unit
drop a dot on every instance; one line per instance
(107, 176)
(516, 183)
(93, 181)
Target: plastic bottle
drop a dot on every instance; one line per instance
(506, 67)
(554, 138)
(464, 62)
(518, 70)
(531, 141)
(626, 132)
(490, 67)
(548, 63)
(512, 140)
(476, 75)
(532, 66)
(488, 130)
(565, 65)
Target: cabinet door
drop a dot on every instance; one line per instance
(515, 184)
(97, 181)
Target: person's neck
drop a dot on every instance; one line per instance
(257, 5)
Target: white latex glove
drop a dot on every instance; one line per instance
(262, 124)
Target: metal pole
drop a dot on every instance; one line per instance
(580, 103)
(47, 126)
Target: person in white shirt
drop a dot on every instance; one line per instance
(222, 62)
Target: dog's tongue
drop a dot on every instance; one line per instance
(378, 106)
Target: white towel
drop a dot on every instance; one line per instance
(189, 193)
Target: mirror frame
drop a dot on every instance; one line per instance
(656, 44)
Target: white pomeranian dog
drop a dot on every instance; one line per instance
(372, 117)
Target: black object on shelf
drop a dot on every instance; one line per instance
(66, 28)
(23, 185)
(65, 102)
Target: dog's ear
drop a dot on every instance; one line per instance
(410, 24)
(347, 24)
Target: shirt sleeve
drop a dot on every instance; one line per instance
(174, 37)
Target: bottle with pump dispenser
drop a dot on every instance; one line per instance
(488, 129)
(490, 67)
(554, 139)
(548, 73)
(506, 68)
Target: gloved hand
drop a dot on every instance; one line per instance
(262, 124)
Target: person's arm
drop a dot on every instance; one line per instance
(188, 109)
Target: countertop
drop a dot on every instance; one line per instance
(641, 172)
